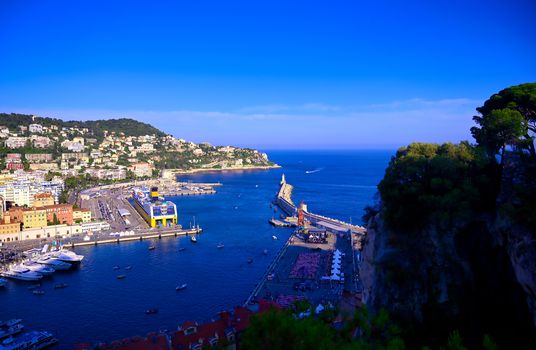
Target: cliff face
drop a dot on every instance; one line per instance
(479, 277)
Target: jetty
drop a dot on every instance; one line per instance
(284, 201)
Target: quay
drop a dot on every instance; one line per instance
(279, 223)
(135, 237)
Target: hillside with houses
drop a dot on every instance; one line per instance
(114, 149)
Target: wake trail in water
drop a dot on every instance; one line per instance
(314, 171)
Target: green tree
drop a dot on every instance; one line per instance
(520, 98)
(499, 129)
(55, 220)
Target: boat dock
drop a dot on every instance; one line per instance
(135, 237)
(279, 223)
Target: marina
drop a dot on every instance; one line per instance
(115, 309)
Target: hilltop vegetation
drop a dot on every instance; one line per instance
(452, 241)
(127, 126)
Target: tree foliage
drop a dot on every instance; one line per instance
(492, 124)
(129, 127)
(278, 329)
(429, 183)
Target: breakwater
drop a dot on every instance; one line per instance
(284, 201)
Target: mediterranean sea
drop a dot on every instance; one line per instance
(98, 307)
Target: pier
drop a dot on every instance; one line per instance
(135, 237)
(284, 201)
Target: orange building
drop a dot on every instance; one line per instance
(43, 199)
(30, 217)
(63, 212)
(9, 231)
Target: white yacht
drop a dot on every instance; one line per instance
(31, 340)
(22, 273)
(53, 262)
(10, 323)
(42, 269)
(67, 256)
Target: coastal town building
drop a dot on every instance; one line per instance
(35, 128)
(9, 231)
(16, 142)
(19, 188)
(146, 148)
(39, 157)
(29, 217)
(59, 214)
(40, 141)
(44, 166)
(141, 169)
(81, 215)
(75, 156)
(43, 200)
(107, 174)
(14, 161)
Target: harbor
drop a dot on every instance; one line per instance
(317, 263)
(237, 217)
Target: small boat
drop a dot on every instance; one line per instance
(152, 247)
(193, 239)
(3, 282)
(60, 286)
(274, 237)
(265, 252)
(182, 249)
(250, 260)
(128, 267)
(38, 292)
(151, 311)
(120, 277)
(181, 287)
(220, 246)
(116, 267)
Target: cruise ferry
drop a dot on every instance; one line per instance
(154, 209)
(31, 340)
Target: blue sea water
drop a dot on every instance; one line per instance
(98, 307)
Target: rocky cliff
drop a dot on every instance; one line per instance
(477, 276)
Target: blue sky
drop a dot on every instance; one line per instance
(268, 74)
